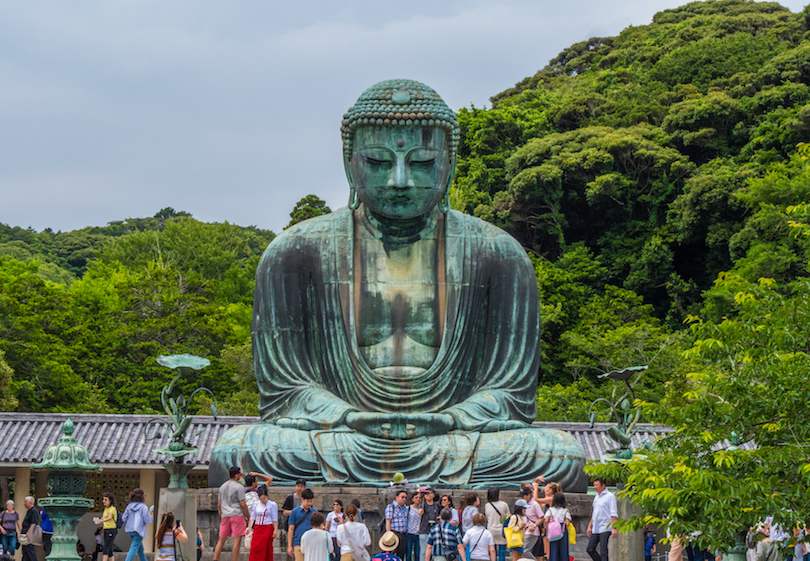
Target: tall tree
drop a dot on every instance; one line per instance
(308, 207)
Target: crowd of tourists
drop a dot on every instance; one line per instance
(418, 525)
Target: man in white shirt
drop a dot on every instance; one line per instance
(601, 527)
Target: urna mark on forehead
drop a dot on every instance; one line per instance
(400, 103)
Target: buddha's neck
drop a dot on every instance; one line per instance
(401, 231)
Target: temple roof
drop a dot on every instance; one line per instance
(119, 439)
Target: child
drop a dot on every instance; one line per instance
(649, 545)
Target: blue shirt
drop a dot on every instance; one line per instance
(386, 556)
(46, 524)
(300, 518)
(136, 517)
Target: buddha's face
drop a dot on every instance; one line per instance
(400, 172)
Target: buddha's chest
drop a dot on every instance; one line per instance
(397, 304)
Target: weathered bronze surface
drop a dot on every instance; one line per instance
(66, 463)
(395, 335)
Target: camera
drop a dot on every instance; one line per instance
(177, 523)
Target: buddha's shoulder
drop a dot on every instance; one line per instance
(313, 232)
(488, 235)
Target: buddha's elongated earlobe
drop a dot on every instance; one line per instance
(354, 202)
(444, 204)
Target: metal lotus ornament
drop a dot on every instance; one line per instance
(179, 422)
(626, 416)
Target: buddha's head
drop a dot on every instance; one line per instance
(399, 149)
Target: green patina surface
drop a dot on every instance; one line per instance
(66, 463)
(395, 335)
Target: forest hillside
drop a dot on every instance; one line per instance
(651, 177)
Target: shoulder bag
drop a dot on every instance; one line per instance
(449, 555)
(481, 535)
(358, 553)
(513, 535)
(34, 536)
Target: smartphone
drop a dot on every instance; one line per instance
(177, 523)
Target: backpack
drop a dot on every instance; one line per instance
(119, 520)
(555, 529)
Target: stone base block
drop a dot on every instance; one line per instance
(183, 503)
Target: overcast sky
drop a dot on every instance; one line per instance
(231, 110)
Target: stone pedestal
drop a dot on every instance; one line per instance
(737, 553)
(628, 546)
(65, 513)
(183, 503)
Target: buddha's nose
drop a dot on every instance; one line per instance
(400, 178)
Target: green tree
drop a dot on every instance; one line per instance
(8, 402)
(308, 207)
(749, 384)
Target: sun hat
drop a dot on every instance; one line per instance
(389, 541)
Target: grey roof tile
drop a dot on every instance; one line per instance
(119, 439)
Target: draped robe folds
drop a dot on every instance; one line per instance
(309, 366)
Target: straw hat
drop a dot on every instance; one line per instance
(389, 541)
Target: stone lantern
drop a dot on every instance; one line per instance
(66, 462)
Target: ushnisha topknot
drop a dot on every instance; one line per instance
(400, 103)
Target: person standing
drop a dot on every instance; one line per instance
(444, 538)
(414, 521)
(316, 544)
(396, 520)
(47, 532)
(31, 519)
(9, 528)
(447, 502)
(549, 490)
(252, 486)
(601, 527)
(333, 520)
(263, 524)
(473, 502)
(497, 512)
(534, 524)
(200, 545)
(293, 501)
(517, 522)
(558, 549)
(389, 542)
(168, 533)
(233, 513)
(649, 544)
(136, 516)
(299, 523)
(108, 525)
(428, 517)
(479, 540)
(353, 530)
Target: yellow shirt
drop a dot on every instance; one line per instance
(109, 512)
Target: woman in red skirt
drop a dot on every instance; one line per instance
(263, 522)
